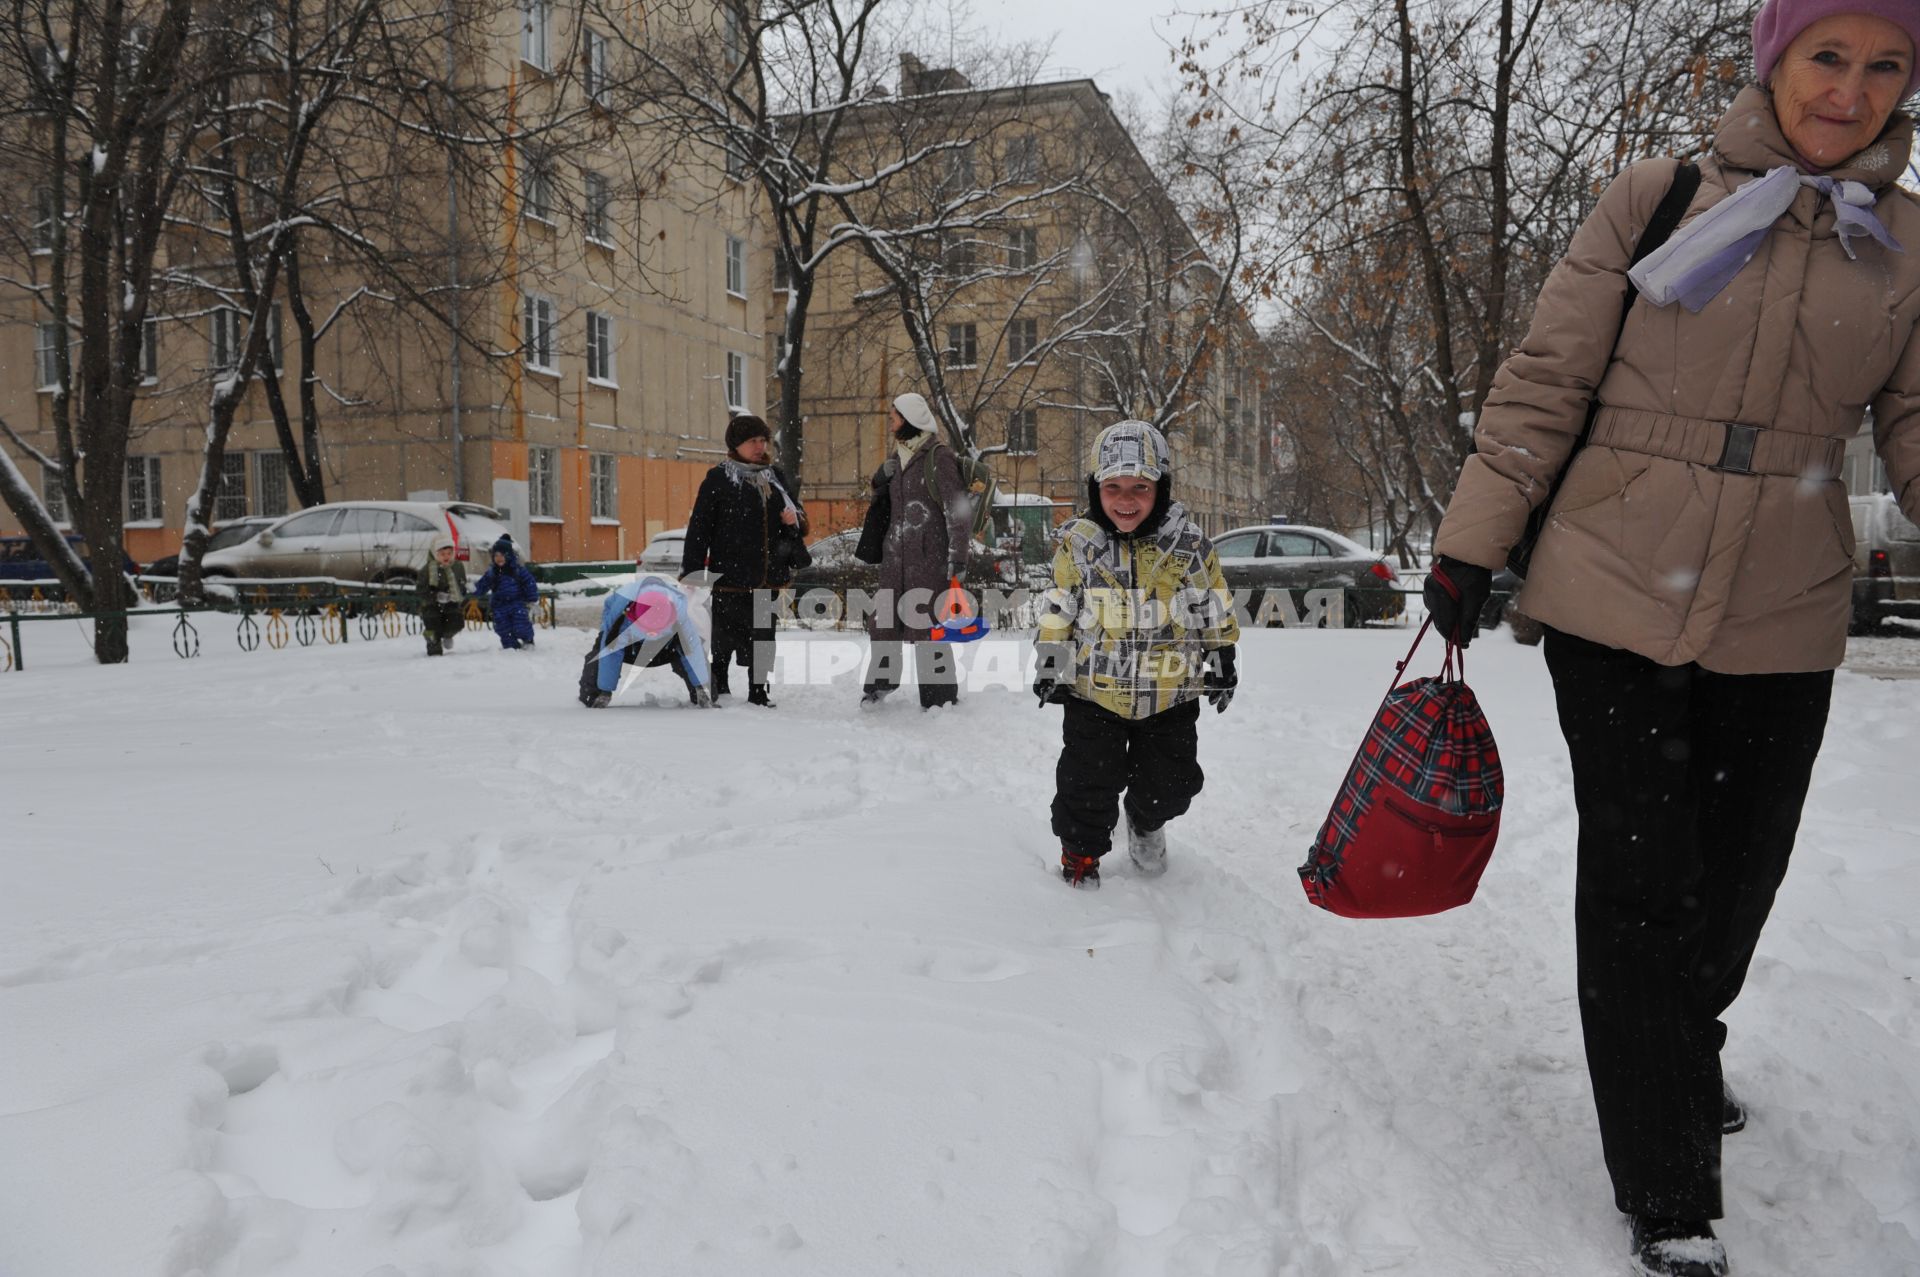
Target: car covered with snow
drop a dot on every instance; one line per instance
(1886, 562)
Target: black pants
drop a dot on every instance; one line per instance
(1689, 786)
(441, 621)
(933, 665)
(1154, 760)
(734, 635)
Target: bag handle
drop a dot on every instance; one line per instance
(1453, 666)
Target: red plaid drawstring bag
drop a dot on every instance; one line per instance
(1415, 821)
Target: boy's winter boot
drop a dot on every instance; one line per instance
(757, 695)
(1147, 848)
(1079, 870)
(597, 700)
(874, 693)
(433, 647)
(1733, 1114)
(1676, 1248)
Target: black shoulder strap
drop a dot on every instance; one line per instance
(1665, 220)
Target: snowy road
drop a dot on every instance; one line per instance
(368, 965)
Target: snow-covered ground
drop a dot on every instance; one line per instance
(340, 962)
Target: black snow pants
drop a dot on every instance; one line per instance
(734, 635)
(1689, 786)
(440, 622)
(1154, 760)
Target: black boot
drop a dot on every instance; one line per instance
(757, 695)
(1733, 1114)
(1676, 1248)
(1080, 871)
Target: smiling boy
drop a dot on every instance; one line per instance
(1137, 628)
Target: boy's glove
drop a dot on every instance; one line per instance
(1456, 594)
(1053, 667)
(1223, 677)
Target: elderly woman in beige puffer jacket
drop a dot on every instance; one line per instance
(1695, 570)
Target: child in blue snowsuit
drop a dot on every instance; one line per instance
(514, 591)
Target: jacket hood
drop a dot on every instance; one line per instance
(1749, 137)
(505, 546)
(1162, 503)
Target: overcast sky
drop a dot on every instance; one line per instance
(1120, 43)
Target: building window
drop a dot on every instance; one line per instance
(963, 346)
(46, 355)
(602, 486)
(1023, 432)
(598, 213)
(1023, 248)
(736, 159)
(600, 347)
(1023, 158)
(270, 483)
(780, 354)
(537, 331)
(533, 33)
(149, 351)
(543, 488)
(43, 219)
(956, 251)
(45, 91)
(782, 271)
(733, 34)
(53, 496)
(960, 171)
(594, 68)
(143, 489)
(736, 382)
(536, 190)
(276, 353)
(230, 497)
(736, 266)
(1023, 336)
(223, 340)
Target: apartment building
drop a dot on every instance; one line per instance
(1068, 284)
(606, 322)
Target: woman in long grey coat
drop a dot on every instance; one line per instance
(925, 548)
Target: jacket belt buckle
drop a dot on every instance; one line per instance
(1736, 454)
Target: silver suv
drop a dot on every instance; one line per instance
(380, 541)
(1886, 562)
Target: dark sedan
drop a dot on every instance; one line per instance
(1298, 558)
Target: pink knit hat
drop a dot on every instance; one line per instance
(1780, 22)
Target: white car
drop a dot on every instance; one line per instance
(663, 553)
(379, 541)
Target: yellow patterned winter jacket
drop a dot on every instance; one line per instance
(1140, 612)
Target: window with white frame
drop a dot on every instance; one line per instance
(593, 68)
(223, 339)
(270, 483)
(536, 335)
(543, 482)
(535, 19)
(1023, 432)
(230, 496)
(53, 496)
(149, 350)
(43, 219)
(782, 271)
(960, 170)
(733, 33)
(143, 489)
(597, 209)
(736, 159)
(736, 266)
(603, 487)
(276, 353)
(736, 382)
(536, 189)
(1023, 337)
(963, 345)
(600, 347)
(1023, 158)
(1023, 248)
(956, 251)
(46, 355)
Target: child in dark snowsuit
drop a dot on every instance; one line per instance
(514, 591)
(649, 621)
(443, 597)
(1137, 628)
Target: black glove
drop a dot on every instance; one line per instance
(1053, 668)
(1222, 677)
(1456, 594)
